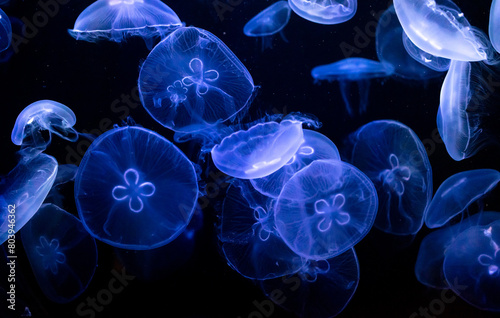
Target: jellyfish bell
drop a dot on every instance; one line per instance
(438, 64)
(5, 31)
(325, 12)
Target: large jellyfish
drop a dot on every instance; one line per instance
(249, 239)
(5, 31)
(134, 189)
(472, 266)
(494, 26)
(325, 11)
(349, 70)
(441, 29)
(192, 80)
(325, 209)
(393, 157)
(115, 20)
(436, 63)
(457, 192)
(23, 190)
(315, 146)
(62, 254)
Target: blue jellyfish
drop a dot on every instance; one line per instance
(62, 254)
(349, 70)
(315, 146)
(134, 189)
(325, 11)
(472, 266)
(395, 160)
(457, 192)
(441, 30)
(435, 63)
(23, 190)
(65, 173)
(115, 20)
(258, 151)
(5, 31)
(321, 289)
(249, 239)
(494, 26)
(268, 22)
(192, 80)
(325, 209)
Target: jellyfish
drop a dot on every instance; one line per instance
(325, 209)
(62, 254)
(249, 239)
(5, 31)
(435, 63)
(395, 160)
(65, 173)
(494, 25)
(315, 146)
(268, 22)
(23, 190)
(134, 189)
(457, 192)
(349, 70)
(191, 81)
(321, 289)
(324, 11)
(115, 20)
(260, 150)
(441, 29)
(472, 266)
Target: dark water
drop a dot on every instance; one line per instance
(98, 81)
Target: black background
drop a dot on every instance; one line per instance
(90, 78)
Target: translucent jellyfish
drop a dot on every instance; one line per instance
(48, 115)
(441, 29)
(325, 209)
(494, 26)
(325, 11)
(23, 190)
(115, 20)
(268, 22)
(5, 31)
(258, 151)
(316, 146)
(61, 252)
(349, 70)
(457, 192)
(395, 160)
(65, 174)
(249, 239)
(134, 189)
(435, 63)
(192, 80)
(321, 289)
(472, 266)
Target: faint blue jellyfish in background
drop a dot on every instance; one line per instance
(438, 64)
(472, 266)
(249, 239)
(115, 20)
(348, 71)
(457, 192)
(325, 11)
(315, 146)
(395, 160)
(269, 22)
(134, 189)
(191, 81)
(62, 254)
(430, 259)
(325, 209)
(441, 29)
(5, 31)
(65, 173)
(321, 289)
(17, 28)
(23, 190)
(494, 26)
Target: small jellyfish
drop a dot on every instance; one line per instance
(315, 146)
(325, 11)
(249, 239)
(5, 31)
(349, 70)
(494, 26)
(258, 151)
(325, 209)
(191, 80)
(115, 20)
(438, 64)
(457, 192)
(268, 22)
(395, 160)
(23, 190)
(61, 252)
(441, 29)
(472, 266)
(134, 189)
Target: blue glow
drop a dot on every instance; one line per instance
(325, 12)
(5, 31)
(435, 63)
(270, 21)
(494, 26)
